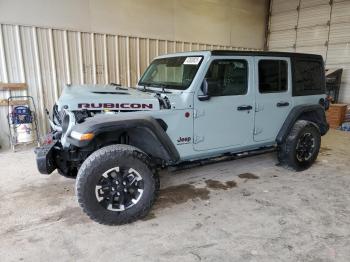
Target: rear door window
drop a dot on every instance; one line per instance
(273, 76)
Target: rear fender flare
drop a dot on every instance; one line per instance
(313, 113)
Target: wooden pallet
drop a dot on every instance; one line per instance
(3, 102)
(13, 86)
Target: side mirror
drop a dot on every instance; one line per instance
(204, 88)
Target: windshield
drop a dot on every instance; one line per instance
(172, 72)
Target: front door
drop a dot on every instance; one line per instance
(273, 96)
(226, 120)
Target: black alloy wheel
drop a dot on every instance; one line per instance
(117, 185)
(305, 147)
(300, 148)
(119, 188)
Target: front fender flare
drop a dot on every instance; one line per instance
(146, 133)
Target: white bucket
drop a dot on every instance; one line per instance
(24, 133)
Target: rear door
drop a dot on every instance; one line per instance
(273, 96)
(226, 120)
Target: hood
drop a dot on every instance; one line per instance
(106, 97)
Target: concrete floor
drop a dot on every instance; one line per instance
(242, 210)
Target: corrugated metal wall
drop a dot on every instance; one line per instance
(47, 59)
(314, 26)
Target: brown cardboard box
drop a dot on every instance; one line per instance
(336, 114)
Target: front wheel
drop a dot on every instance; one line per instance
(301, 147)
(116, 185)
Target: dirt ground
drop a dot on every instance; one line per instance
(242, 210)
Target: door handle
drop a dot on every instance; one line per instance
(242, 108)
(281, 104)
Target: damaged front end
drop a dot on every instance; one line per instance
(57, 153)
(75, 105)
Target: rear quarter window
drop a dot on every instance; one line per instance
(308, 77)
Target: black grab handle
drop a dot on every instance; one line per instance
(281, 104)
(242, 108)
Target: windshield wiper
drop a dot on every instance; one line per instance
(144, 89)
(163, 86)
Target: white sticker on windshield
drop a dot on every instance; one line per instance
(192, 60)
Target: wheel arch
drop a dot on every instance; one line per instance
(145, 133)
(312, 113)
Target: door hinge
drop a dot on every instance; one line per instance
(259, 107)
(198, 113)
(257, 131)
(198, 139)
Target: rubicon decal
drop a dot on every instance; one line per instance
(183, 140)
(114, 106)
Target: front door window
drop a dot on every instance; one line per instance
(227, 78)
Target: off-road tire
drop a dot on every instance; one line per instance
(287, 152)
(102, 160)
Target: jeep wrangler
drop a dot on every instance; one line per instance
(186, 107)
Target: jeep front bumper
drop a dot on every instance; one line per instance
(45, 158)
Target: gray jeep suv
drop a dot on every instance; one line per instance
(186, 107)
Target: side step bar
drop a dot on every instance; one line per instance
(222, 158)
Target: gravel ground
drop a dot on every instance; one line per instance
(242, 210)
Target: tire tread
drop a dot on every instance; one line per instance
(109, 151)
(285, 150)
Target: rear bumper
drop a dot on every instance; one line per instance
(45, 158)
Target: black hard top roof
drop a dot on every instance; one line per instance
(262, 53)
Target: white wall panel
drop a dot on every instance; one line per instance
(340, 33)
(88, 61)
(46, 74)
(341, 11)
(338, 54)
(313, 16)
(284, 21)
(112, 59)
(285, 38)
(312, 36)
(323, 27)
(100, 66)
(61, 58)
(344, 93)
(313, 3)
(283, 6)
(133, 60)
(75, 57)
(12, 53)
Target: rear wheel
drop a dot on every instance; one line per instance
(301, 147)
(116, 185)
